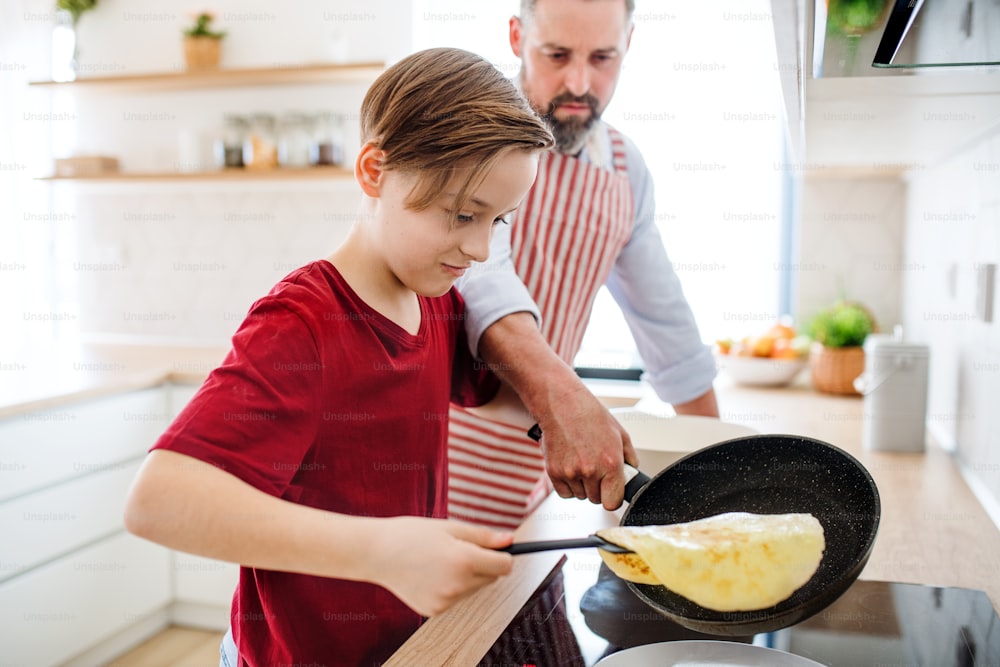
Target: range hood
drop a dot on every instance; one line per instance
(904, 37)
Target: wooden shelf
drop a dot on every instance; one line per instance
(278, 174)
(228, 78)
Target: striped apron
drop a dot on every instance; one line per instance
(564, 239)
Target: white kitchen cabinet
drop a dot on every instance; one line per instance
(48, 447)
(70, 576)
(42, 526)
(58, 610)
(178, 395)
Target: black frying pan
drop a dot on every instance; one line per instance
(763, 474)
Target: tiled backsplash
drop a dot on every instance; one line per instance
(184, 262)
(850, 243)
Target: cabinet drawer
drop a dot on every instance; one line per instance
(54, 612)
(45, 447)
(203, 580)
(178, 395)
(45, 524)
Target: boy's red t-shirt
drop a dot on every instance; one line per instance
(324, 402)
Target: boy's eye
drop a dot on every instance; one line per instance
(462, 217)
(498, 221)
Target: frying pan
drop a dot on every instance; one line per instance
(762, 474)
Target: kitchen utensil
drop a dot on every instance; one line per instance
(558, 545)
(720, 653)
(762, 474)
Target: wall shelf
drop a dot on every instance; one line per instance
(278, 174)
(227, 78)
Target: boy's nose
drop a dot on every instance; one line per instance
(476, 243)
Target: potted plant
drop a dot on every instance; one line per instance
(837, 356)
(202, 45)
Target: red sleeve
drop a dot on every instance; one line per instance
(257, 414)
(472, 383)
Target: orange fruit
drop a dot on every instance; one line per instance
(762, 346)
(781, 331)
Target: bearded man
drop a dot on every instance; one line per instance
(589, 220)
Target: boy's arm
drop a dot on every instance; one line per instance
(189, 505)
(584, 444)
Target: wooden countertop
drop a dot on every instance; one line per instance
(932, 531)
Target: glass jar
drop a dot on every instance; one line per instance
(294, 137)
(260, 147)
(228, 147)
(327, 147)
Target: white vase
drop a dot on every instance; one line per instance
(64, 47)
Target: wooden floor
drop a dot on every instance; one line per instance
(174, 647)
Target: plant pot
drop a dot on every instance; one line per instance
(202, 52)
(835, 368)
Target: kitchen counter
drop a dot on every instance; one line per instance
(932, 531)
(49, 377)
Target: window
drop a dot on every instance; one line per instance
(699, 95)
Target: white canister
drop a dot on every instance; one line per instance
(894, 386)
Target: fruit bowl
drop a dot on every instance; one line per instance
(760, 371)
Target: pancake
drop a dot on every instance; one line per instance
(729, 562)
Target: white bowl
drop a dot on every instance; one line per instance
(660, 439)
(760, 371)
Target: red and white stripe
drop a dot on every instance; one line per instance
(565, 238)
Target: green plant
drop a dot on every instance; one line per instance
(201, 28)
(854, 17)
(844, 324)
(76, 8)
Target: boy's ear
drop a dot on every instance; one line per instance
(368, 169)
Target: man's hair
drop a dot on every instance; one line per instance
(443, 111)
(528, 9)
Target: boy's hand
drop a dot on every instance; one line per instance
(430, 564)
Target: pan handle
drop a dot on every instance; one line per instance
(635, 478)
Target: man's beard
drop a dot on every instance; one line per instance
(571, 133)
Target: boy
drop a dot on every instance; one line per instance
(315, 456)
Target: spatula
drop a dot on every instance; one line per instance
(555, 545)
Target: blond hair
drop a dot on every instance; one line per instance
(441, 111)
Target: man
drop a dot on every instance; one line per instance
(588, 221)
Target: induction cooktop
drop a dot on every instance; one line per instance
(582, 613)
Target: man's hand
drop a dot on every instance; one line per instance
(583, 444)
(577, 458)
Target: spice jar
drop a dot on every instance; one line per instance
(327, 147)
(228, 147)
(294, 138)
(260, 148)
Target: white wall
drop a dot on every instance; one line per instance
(953, 228)
(181, 261)
(850, 231)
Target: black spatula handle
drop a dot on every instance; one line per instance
(558, 545)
